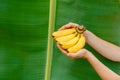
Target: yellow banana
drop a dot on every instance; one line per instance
(80, 44)
(65, 32)
(61, 40)
(70, 43)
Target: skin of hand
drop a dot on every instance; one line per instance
(80, 54)
(105, 48)
(70, 25)
(104, 72)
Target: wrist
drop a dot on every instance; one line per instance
(86, 32)
(88, 35)
(88, 55)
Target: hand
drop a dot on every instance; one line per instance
(80, 54)
(71, 25)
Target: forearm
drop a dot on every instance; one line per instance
(105, 48)
(104, 72)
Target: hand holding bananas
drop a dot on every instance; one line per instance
(82, 53)
(70, 37)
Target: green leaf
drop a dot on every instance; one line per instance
(24, 30)
(23, 39)
(99, 16)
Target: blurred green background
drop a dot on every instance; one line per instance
(24, 31)
(102, 17)
(23, 39)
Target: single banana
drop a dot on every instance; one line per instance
(64, 32)
(62, 40)
(80, 44)
(70, 43)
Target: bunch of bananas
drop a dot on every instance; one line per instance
(71, 39)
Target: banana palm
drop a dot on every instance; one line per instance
(102, 18)
(23, 37)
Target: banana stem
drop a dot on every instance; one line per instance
(52, 13)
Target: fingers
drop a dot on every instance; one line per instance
(71, 55)
(79, 54)
(73, 25)
(62, 50)
(69, 25)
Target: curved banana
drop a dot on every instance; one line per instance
(63, 39)
(80, 44)
(70, 43)
(65, 32)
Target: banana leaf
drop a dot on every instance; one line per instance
(23, 39)
(102, 17)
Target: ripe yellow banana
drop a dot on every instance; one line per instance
(72, 39)
(65, 32)
(80, 44)
(71, 42)
(63, 39)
